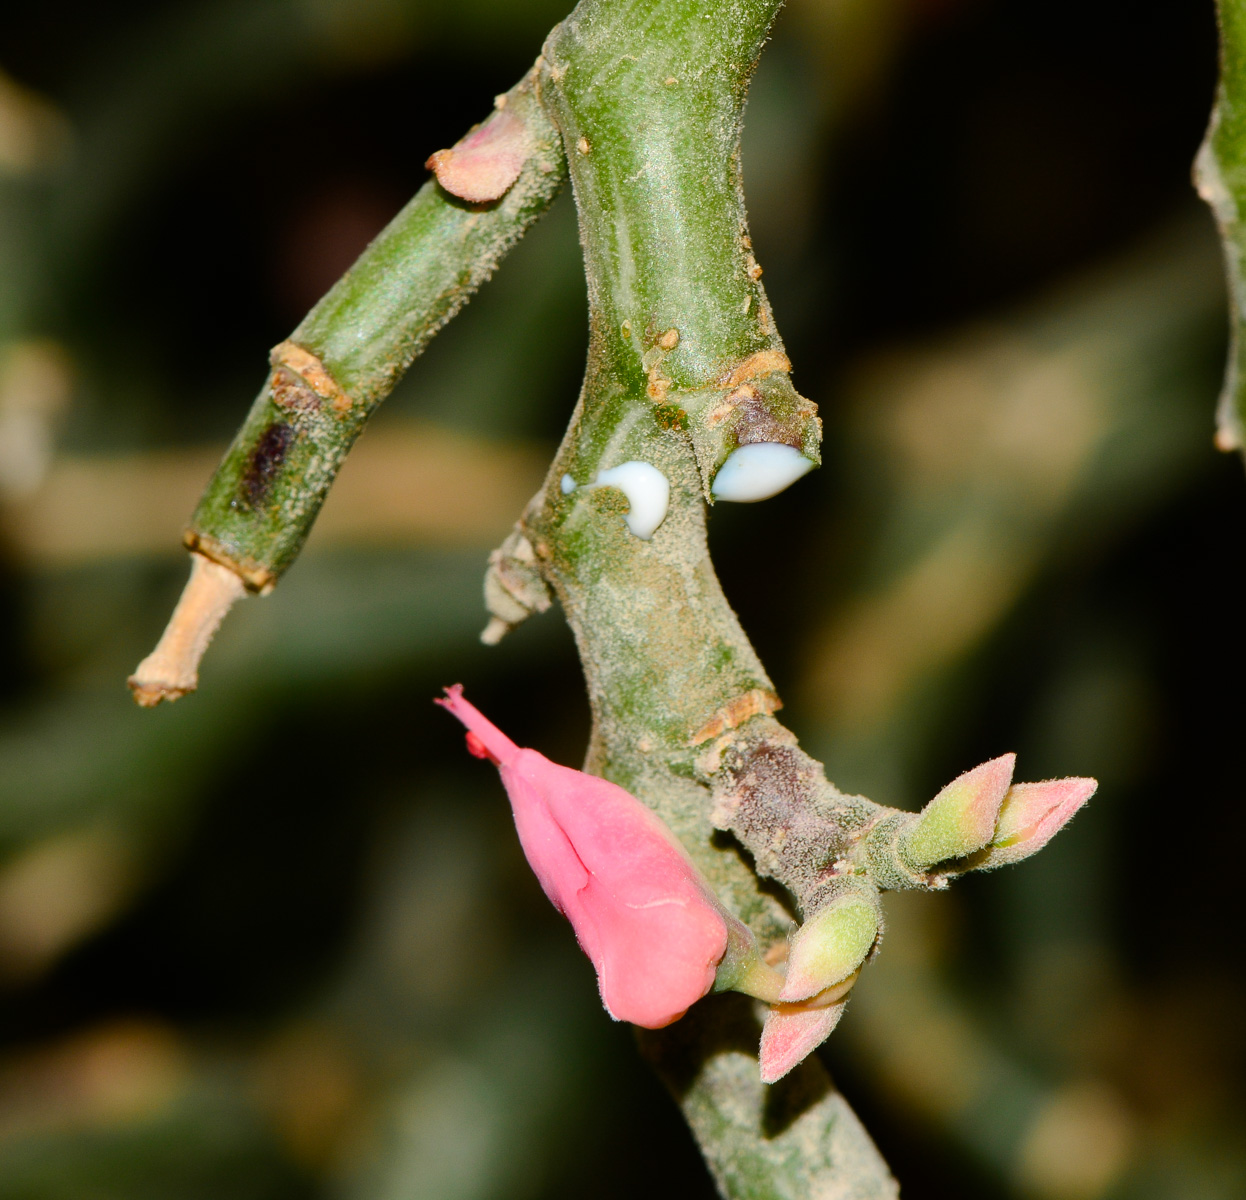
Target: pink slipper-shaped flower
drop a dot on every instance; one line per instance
(641, 910)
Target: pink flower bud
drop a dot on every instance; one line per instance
(641, 911)
(793, 1031)
(961, 818)
(1032, 814)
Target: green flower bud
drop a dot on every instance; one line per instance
(961, 818)
(831, 945)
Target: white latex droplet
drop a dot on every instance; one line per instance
(568, 485)
(647, 490)
(758, 471)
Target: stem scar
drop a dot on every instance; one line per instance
(735, 712)
(307, 367)
(761, 363)
(484, 165)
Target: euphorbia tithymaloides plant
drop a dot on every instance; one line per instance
(660, 938)
(687, 401)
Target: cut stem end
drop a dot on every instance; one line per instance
(172, 668)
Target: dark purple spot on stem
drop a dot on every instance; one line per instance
(265, 461)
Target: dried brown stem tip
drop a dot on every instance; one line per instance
(172, 668)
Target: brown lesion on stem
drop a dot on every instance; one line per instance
(752, 400)
(752, 415)
(309, 370)
(172, 668)
(759, 404)
(263, 465)
(801, 830)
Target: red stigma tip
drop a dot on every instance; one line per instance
(477, 748)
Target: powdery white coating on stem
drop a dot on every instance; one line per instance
(758, 471)
(648, 492)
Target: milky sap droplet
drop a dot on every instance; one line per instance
(758, 471)
(568, 485)
(647, 490)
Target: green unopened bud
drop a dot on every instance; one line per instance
(831, 945)
(961, 818)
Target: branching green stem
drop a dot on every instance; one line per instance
(685, 365)
(685, 371)
(351, 350)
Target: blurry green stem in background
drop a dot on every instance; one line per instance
(1220, 173)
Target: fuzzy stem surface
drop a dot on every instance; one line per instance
(353, 347)
(685, 370)
(649, 97)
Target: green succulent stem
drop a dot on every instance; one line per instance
(352, 348)
(641, 103)
(1220, 174)
(685, 364)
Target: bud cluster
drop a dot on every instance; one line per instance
(660, 939)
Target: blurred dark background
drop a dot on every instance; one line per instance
(279, 941)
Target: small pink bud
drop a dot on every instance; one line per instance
(483, 165)
(961, 818)
(793, 1031)
(1032, 814)
(640, 909)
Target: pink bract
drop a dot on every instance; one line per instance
(640, 909)
(1032, 814)
(792, 1032)
(483, 165)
